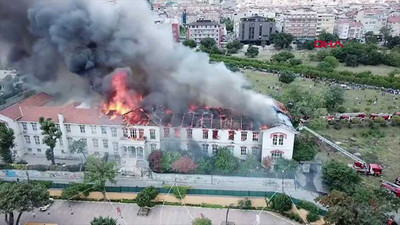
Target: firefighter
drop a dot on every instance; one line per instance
(391, 221)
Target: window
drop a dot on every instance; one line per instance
(280, 139)
(230, 148)
(205, 148)
(275, 140)
(276, 154)
(62, 152)
(215, 134)
(231, 135)
(37, 140)
(255, 136)
(115, 146)
(68, 127)
(61, 141)
(95, 143)
(113, 131)
(153, 147)
(152, 134)
(29, 150)
(125, 132)
(205, 134)
(166, 132)
(27, 139)
(93, 128)
(243, 150)
(177, 132)
(124, 151)
(140, 152)
(103, 130)
(214, 149)
(39, 150)
(244, 135)
(82, 128)
(34, 126)
(24, 126)
(254, 150)
(105, 143)
(141, 133)
(189, 133)
(131, 152)
(133, 133)
(69, 139)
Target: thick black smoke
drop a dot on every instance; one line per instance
(54, 41)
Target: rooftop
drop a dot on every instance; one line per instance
(394, 19)
(203, 23)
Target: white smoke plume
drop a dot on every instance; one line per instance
(59, 40)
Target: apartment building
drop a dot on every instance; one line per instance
(301, 24)
(393, 22)
(348, 29)
(372, 20)
(325, 22)
(205, 29)
(256, 29)
(201, 131)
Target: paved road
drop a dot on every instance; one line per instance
(84, 212)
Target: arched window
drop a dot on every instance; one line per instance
(132, 152)
(276, 154)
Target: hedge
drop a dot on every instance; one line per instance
(366, 78)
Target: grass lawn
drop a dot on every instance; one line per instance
(269, 51)
(386, 104)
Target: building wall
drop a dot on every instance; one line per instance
(394, 28)
(199, 32)
(342, 30)
(300, 24)
(269, 147)
(371, 22)
(325, 22)
(256, 31)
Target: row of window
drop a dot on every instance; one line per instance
(215, 136)
(243, 149)
(37, 140)
(132, 152)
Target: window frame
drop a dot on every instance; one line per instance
(82, 128)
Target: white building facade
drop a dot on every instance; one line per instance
(325, 22)
(205, 29)
(301, 24)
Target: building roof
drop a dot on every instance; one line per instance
(356, 24)
(373, 11)
(394, 19)
(203, 23)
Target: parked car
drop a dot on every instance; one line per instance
(46, 207)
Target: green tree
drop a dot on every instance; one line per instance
(74, 190)
(98, 172)
(370, 38)
(205, 165)
(332, 61)
(6, 143)
(339, 176)
(325, 66)
(304, 149)
(333, 98)
(225, 161)
(249, 165)
(168, 159)
(229, 25)
(396, 120)
(208, 43)
(51, 133)
(79, 146)
(282, 40)
(103, 221)
(385, 31)
(282, 56)
(287, 77)
(201, 221)
(21, 197)
(252, 52)
(234, 46)
(146, 196)
(328, 37)
(190, 43)
(295, 62)
(286, 165)
(351, 60)
(281, 202)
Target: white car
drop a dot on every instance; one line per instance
(46, 207)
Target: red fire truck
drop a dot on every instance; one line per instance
(392, 187)
(367, 168)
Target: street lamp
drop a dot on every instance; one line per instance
(227, 213)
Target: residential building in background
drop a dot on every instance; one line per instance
(205, 29)
(301, 24)
(393, 22)
(348, 29)
(372, 20)
(325, 22)
(256, 29)
(169, 24)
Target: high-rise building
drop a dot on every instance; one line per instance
(256, 29)
(205, 29)
(325, 22)
(301, 24)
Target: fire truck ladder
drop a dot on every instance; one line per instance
(335, 146)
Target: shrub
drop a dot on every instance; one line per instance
(244, 204)
(351, 60)
(321, 55)
(341, 109)
(168, 160)
(381, 121)
(282, 56)
(309, 206)
(44, 183)
(356, 121)
(252, 52)
(325, 66)
(75, 190)
(225, 161)
(312, 217)
(318, 123)
(304, 150)
(287, 77)
(201, 221)
(145, 197)
(184, 165)
(103, 221)
(214, 206)
(21, 161)
(295, 217)
(337, 126)
(205, 165)
(178, 191)
(155, 161)
(267, 162)
(295, 62)
(332, 61)
(281, 202)
(339, 176)
(396, 120)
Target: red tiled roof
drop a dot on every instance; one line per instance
(356, 24)
(394, 19)
(373, 11)
(14, 111)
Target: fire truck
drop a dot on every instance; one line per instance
(392, 187)
(367, 168)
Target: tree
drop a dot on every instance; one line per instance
(396, 120)
(333, 62)
(205, 165)
(184, 165)
(281, 202)
(325, 66)
(282, 40)
(103, 221)
(287, 165)
(287, 77)
(75, 190)
(21, 197)
(249, 165)
(234, 46)
(252, 51)
(304, 150)
(267, 162)
(244, 203)
(6, 143)
(225, 161)
(337, 175)
(98, 172)
(229, 25)
(155, 161)
(351, 60)
(51, 134)
(201, 221)
(370, 38)
(208, 43)
(282, 56)
(190, 43)
(295, 62)
(328, 37)
(78, 146)
(333, 98)
(385, 31)
(393, 41)
(168, 160)
(145, 197)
